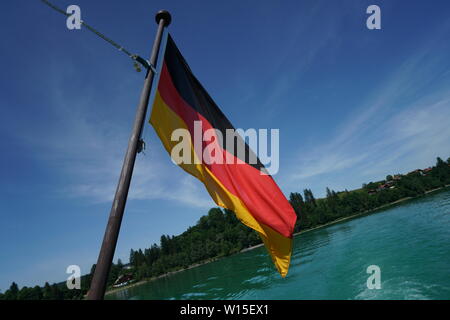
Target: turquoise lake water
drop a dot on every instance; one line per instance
(410, 243)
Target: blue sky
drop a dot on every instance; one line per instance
(352, 105)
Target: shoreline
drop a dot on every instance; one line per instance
(195, 265)
(367, 212)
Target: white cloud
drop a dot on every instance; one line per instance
(86, 146)
(154, 177)
(402, 125)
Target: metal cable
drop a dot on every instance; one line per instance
(55, 8)
(99, 34)
(118, 46)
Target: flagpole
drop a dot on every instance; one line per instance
(106, 255)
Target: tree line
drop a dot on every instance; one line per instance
(219, 233)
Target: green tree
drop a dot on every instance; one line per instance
(309, 197)
(47, 292)
(440, 162)
(296, 201)
(13, 292)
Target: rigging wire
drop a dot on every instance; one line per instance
(134, 57)
(146, 64)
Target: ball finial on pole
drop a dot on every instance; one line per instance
(163, 14)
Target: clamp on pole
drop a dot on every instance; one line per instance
(145, 63)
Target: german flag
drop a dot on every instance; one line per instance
(237, 183)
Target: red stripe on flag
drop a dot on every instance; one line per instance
(260, 193)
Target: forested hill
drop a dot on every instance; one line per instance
(219, 233)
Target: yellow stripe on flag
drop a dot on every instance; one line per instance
(165, 121)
